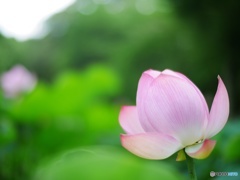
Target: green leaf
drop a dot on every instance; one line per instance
(104, 162)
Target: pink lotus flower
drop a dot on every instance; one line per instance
(171, 114)
(17, 80)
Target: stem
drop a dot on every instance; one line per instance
(191, 167)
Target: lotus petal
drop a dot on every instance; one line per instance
(174, 107)
(219, 110)
(129, 121)
(151, 145)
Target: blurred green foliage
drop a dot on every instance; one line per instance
(88, 65)
(77, 109)
(103, 162)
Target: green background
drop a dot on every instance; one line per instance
(88, 66)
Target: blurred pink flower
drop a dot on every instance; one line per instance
(17, 80)
(171, 114)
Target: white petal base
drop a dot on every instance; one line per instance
(202, 150)
(151, 145)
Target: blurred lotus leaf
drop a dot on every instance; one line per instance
(104, 162)
(75, 95)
